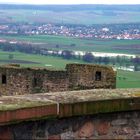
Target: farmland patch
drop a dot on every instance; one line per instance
(130, 48)
(18, 61)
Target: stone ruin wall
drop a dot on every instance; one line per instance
(54, 81)
(121, 125)
(28, 81)
(84, 76)
(18, 81)
(75, 77)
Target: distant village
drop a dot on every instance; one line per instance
(108, 31)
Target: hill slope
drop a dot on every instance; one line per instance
(72, 14)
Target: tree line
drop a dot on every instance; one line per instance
(66, 54)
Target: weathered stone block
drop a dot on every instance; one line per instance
(54, 137)
(125, 130)
(137, 136)
(119, 122)
(69, 135)
(87, 130)
(103, 128)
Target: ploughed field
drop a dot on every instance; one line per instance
(125, 79)
(77, 44)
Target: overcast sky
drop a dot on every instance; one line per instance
(72, 1)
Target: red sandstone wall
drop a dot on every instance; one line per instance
(125, 125)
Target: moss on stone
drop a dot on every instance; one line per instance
(137, 94)
(22, 104)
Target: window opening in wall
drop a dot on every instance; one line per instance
(4, 80)
(35, 83)
(98, 76)
(27, 86)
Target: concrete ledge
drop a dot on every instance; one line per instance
(26, 114)
(65, 104)
(13, 110)
(95, 107)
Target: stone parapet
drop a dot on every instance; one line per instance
(19, 108)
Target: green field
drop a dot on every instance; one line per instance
(86, 17)
(125, 79)
(50, 42)
(37, 60)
